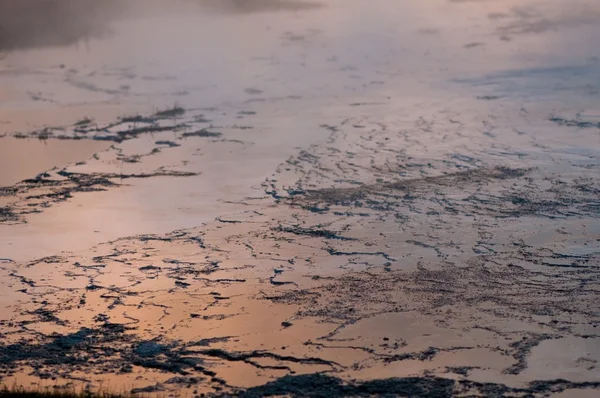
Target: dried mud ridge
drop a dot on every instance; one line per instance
(109, 348)
(35, 194)
(126, 128)
(371, 255)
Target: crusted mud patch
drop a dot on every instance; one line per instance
(436, 282)
(319, 385)
(33, 195)
(116, 166)
(310, 215)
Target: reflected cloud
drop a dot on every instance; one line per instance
(533, 19)
(471, 1)
(581, 80)
(514, 18)
(45, 23)
(253, 6)
(429, 31)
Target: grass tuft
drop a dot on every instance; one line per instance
(22, 392)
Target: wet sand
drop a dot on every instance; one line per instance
(306, 198)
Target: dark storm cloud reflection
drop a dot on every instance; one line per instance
(44, 23)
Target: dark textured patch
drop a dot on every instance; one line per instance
(320, 385)
(312, 232)
(201, 133)
(7, 215)
(574, 123)
(170, 144)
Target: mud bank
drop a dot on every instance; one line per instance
(386, 266)
(330, 218)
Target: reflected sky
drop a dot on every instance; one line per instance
(245, 6)
(42, 23)
(184, 50)
(40, 155)
(50, 23)
(315, 61)
(498, 101)
(578, 80)
(142, 55)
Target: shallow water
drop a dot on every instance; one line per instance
(396, 189)
(25, 158)
(304, 61)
